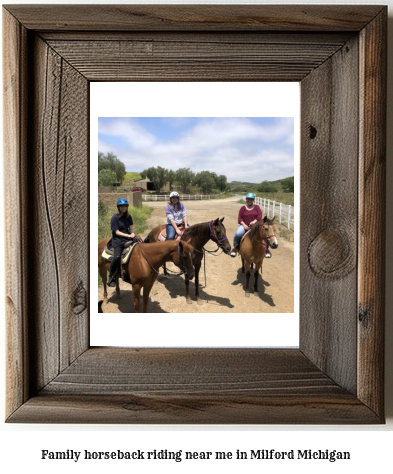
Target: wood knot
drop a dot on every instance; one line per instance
(313, 132)
(330, 255)
(79, 299)
(364, 316)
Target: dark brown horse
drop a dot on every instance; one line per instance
(253, 249)
(142, 268)
(198, 235)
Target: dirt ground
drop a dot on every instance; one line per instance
(222, 283)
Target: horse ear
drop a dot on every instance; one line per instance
(273, 219)
(265, 219)
(217, 220)
(221, 220)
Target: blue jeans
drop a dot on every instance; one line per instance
(238, 235)
(170, 231)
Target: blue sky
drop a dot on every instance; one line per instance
(242, 149)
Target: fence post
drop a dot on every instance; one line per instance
(289, 217)
(280, 212)
(274, 208)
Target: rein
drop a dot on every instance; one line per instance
(144, 256)
(181, 263)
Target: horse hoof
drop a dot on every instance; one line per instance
(199, 301)
(189, 301)
(256, 293)
(247, 294)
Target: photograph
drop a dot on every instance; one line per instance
(207, 209)
(224, 186)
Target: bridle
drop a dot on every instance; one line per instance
(214, 237)
(265, 240)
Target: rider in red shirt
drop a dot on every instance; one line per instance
(248, 215)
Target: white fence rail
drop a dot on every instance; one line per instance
(284, 213)
(183, 197)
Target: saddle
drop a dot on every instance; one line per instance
(126, 253)
(162, 235)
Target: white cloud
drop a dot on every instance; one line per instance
(240, 148)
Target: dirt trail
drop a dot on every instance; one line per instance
(223, 289)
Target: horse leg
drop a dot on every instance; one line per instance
(187, 282)
(118, 286)
(146, 293)
(197, 268)
(248, 273)
(242, 265)
(165, 270)
(103, 274)
(136, 291)
(256, 275)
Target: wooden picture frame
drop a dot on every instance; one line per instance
(338, 54)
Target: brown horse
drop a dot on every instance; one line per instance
(142, 268)
(253, 249)
(198, 235)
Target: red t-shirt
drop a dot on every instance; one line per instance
(247, 216)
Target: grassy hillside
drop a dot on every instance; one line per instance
(130, 177)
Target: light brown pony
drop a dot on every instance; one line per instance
(198, 235)
(253, 249)
(143, 266)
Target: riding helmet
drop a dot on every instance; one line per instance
(174, 194)
(250, 196)
(122, 202)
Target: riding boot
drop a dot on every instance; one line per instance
(114, 267)
(268, 254)
(235, 250)
(112, 279)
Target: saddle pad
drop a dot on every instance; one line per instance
(125, 255)
(162, 235)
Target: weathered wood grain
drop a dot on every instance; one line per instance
(195, 17)
(336, 375)
(216, 60)
(329, 175)
(371, 229)
(60, 247)
(193, 386)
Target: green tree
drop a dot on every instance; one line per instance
(205, 180)
(267, 187)
(157, 175)
(106, 177)
(288, 185)
(111, 162)
(222, 183)
(171, 177)
(185, 177)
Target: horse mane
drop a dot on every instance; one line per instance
(255, 229)
(194, 230)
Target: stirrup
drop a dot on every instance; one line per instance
(268, 254)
